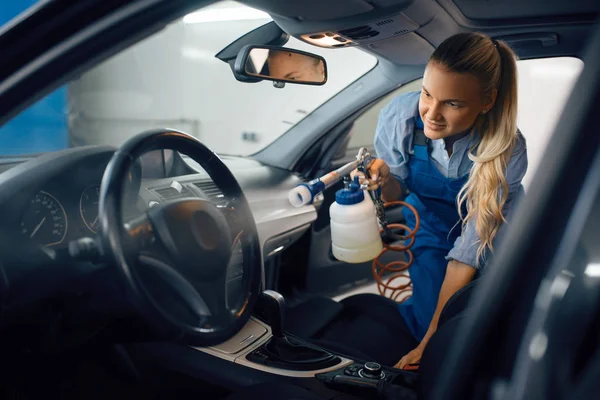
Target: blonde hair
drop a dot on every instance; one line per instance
(486, 191)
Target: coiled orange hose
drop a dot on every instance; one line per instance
(398, 268)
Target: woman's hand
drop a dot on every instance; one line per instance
(379, 171)
(414, 357)
(457, 276)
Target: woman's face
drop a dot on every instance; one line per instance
(450, 102)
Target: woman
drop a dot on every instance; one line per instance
(456, 148)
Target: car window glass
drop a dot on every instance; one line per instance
(363, 130)
(172, 79)
(12, 8)
(544, 88)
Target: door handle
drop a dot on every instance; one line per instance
(547, 39)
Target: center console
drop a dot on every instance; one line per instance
(263, 345)
(371, 379)
(285, 351)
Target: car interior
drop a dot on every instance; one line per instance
(159, 268)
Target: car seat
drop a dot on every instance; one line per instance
(370, 324)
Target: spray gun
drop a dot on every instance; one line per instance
(355, 234)
(305, 193)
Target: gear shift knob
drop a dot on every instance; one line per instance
(275, 309)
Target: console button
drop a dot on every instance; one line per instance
(372, 370)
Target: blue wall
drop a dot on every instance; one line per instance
(43, 126)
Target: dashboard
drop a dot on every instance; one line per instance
(55, 197)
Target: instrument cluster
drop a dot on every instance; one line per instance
(48, 221)
(66, 207)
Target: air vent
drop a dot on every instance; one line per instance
(384, 22)
(360, 33)
(169, 193)
(402, 32)
(211, 191)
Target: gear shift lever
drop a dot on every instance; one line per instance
(275, 310)
(287, 351)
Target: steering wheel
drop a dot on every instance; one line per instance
(173, 259)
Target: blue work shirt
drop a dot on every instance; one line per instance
(393, 144)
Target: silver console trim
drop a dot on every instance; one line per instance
(247, 339)
(240, 357)
(296, 374)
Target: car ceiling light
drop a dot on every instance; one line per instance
(593, 270)
(327, 39)
(225, 14)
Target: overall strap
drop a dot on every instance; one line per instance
(420, 141)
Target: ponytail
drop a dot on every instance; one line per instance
(486, 190)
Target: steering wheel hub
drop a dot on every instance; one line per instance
(195, 234)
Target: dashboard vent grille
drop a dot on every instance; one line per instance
(168, 193)
(211, 191)
(360, 33)
(401, 32)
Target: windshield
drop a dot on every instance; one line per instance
(173, 79)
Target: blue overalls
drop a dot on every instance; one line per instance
(435, 198)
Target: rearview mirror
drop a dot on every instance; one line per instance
(280, 64)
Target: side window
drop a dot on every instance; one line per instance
(545, 85)
(41, 127)
(363, 131)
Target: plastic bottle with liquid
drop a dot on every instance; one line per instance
(355, 234)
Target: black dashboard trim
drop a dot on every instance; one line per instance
(44, 167)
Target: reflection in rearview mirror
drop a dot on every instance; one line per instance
(286, 65)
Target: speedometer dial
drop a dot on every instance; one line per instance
(45, 220)
(88, 207)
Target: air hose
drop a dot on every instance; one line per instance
(387, 284)
(398, 269)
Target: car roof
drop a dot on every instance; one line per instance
(407, 31)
